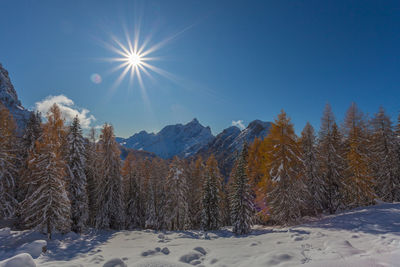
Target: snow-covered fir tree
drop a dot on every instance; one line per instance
(92, 174)
(211, 216)
(76, 177)
(310, 171)
(397, 144)
(47, 207)
(385, 162)
(133, 192)
(32, 133)
(109, 194)
(288, 194)
(397, 128)
(359, 180)
(195, 175)
(151, 214)
(331, 161)
(242, 207)
(156, 197)
(177, 216)
(8, 171)
(225, 203)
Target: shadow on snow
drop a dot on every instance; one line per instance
(378, 219)
(60, 248)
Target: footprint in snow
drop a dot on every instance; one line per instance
(163, 239)
(116, 262)
(297, 237)
(278, 259)
(195, 257)
(157, 250)
(213, 261)
(255, 244)
(97, 259)
(201, 250)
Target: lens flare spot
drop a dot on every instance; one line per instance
(96, 78)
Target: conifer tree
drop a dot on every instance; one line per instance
(225, 203)
(310, 170)
(195, 175)
(385, 159)
(47, 207)
(151, 195)
(92, 174)
(397, 144)
(32, 133)
(160, 173)
(242, 207)
(109, 195)
(134, 201)
(288, 193)
(331, 161)
(397, 128)
(76, 177)
(211, 216)
(225, 193)
(177, 216)
(151, 206)
(258, 162)
(156, 195)
(359, 180)
(8, 156)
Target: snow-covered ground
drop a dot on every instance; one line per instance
(363, 237)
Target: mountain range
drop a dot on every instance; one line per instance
(172, 140)
(183, 140)
(194, 139)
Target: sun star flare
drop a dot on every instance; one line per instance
(134, 59)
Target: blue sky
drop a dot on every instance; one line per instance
(229, 60)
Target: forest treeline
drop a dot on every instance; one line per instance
(53, 179)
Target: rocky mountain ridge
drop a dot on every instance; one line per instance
(9, 98)
(173, 140)
(193, 139)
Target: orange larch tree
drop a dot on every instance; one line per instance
(286, 197)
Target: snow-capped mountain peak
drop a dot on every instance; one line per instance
(172, 140)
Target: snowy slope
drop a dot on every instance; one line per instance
(9, 98)
(183, 140)
(367, 236)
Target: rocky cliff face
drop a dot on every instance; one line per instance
(9, 98)
(227, 145)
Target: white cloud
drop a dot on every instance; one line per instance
(68, 109)
(238, 123)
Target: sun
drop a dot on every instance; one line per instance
(134, 59)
